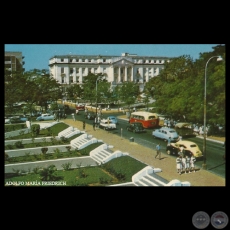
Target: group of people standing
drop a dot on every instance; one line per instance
(184, 163)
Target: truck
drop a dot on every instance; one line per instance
(184, 129)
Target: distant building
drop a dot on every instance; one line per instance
(14, 61)
(71, 69)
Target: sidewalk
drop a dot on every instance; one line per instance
(146, 155)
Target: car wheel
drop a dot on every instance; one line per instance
(154, 136)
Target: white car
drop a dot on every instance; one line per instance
(165, 133)
(107, 125)
(45, 117)
(7, 121)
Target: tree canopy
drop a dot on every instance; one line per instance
(179, 88)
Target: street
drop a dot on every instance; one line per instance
(214, 150)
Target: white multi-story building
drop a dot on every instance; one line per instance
(72, 69)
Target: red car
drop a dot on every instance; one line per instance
(80, 107)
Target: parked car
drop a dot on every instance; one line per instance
(45, 117)
(190, 148)
(80, 107)
(15, 119)
(7, 120)
(113, 119)
(165, 133)
(135, 127)
(24, 118)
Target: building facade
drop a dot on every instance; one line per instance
(14, 61)
(72, 69)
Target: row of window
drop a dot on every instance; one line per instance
(108, 60)
(94, 70)
(116, 80)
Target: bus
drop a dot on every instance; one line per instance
(148, 119)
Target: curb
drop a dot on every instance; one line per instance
(209, 139)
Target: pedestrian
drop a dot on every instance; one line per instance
(182, 150)
(108, 121)
(94, 125)
(168, 145)
(77, 111)
(187, 164)
(73, 116)
(192, 164)
(169, 141)
(183, 164)
(158, 148)
(179, 164)
(83, 125)
(180, 153)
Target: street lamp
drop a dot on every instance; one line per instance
(96, 98)
(204, 166)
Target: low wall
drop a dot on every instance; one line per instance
(29, 140)
(16, 132)
(35, 151)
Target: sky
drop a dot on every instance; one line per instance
(37, 55)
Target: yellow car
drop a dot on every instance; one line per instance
(190, 148)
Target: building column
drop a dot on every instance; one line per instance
(125, 73)
(147, 76)
(132, 69)
(119, 74)
(80, 75)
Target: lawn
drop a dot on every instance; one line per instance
(116, 171)
(44, 143)
(50, 156)
(51, 131)
(112, 172)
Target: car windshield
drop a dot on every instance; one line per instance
(172, 131)
(193, 146)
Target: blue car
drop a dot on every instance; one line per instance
(45, 117)
(112, 119)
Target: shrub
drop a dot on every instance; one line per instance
(48, 132)
(63, 139)
(53, 140)
(6, 156)
(66, 166)
(44, 150)
(35, 129)
(36, 170)
(49, 173)
(82, 173)
(68, 148)
(57, 153)
(9, 146)
(18, 144)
